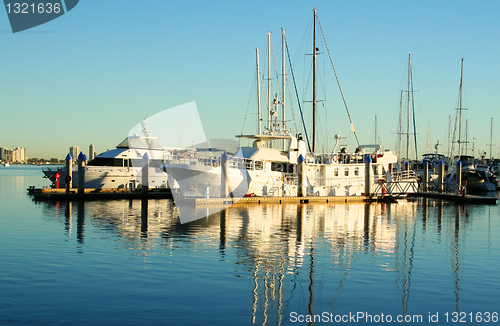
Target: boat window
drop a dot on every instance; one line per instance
(276, 166)
(346, 172)
(249, 164)
(155, 163)
(258, 165)
(336, 172)
(137, 163)
(356, 171)
(106, 161)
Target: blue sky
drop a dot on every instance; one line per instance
(92, 74)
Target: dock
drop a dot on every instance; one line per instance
(52, 194)
(290, 200)
(467, 199)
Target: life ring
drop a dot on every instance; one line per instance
(380, 181)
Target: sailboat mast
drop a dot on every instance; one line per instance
(449, 137)
(466, 135)
(283, 68)
(269, 81)
(400, 126)
(408, 115)
(314, 87)
(491, 140)
(259, 121)
(460, 109)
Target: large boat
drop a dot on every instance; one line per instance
(270, 166)
(120, 167)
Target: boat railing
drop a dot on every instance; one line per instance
(403, 175)
(188, 160)
(341, 158)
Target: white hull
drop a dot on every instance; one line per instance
(335, 179)
(110, 177)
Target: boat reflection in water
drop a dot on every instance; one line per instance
(296, 260)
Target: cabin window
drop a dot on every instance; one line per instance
(258, 165)
(155, 163)
(107, 161)
(346, 172)
(356, 171)
(336, 172)
(279, 167)
(249, 164)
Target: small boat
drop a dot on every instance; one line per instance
(6, 164)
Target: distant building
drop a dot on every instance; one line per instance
(91, 152)
(4, 154)
(74, 151)
(16, 155)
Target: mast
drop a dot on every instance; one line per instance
(449, 137)
(491, 140)
(283, 68)
(460, 109)
(259, 118)
(314, 87)
(269, 81)
(466, 135)
(408, 115)
(400, 125)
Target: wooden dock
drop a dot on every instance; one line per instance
(467, 199)
(97, 194)
(42, 194)
(289, 200)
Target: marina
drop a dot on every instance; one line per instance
(308, 215)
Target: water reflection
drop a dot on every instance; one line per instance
(307, 259)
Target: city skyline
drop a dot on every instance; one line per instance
(88, 78)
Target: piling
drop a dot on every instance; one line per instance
(301, 191)
(458, 173)
(81, 173)
(441, 176)
(368, 175)
(145, 173)
(223, 176)
(69, 172)
(426, 176)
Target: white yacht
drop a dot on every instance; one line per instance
(119, 167)
(261, 171)
(270, 166)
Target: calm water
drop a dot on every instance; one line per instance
(132, 263)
